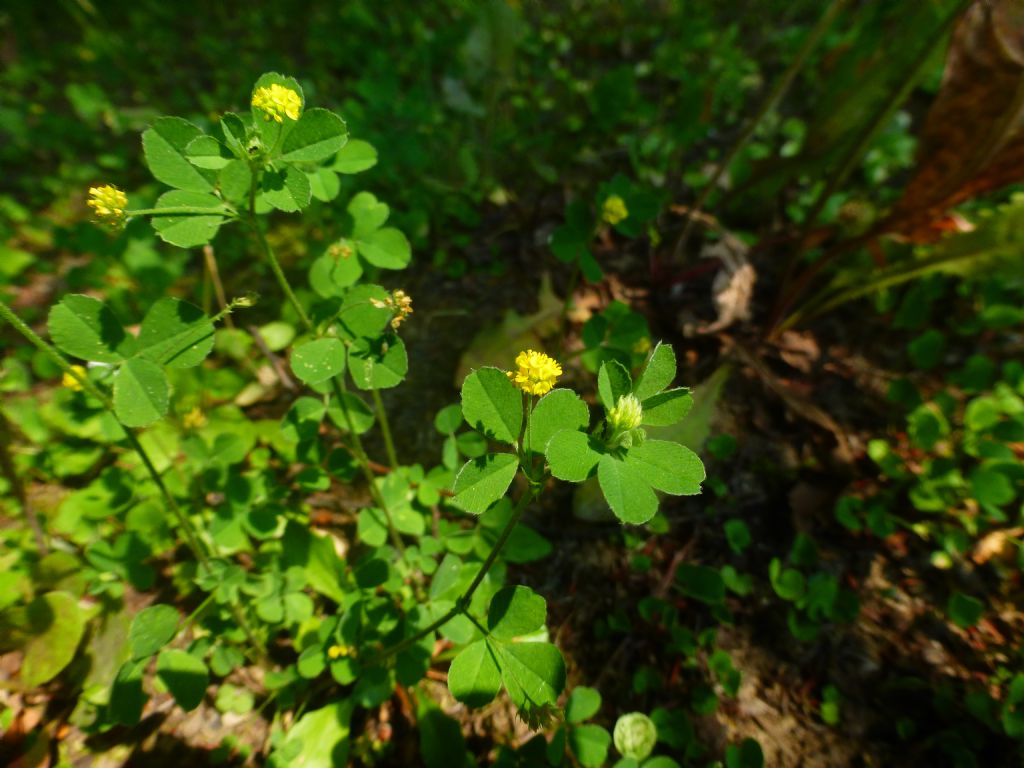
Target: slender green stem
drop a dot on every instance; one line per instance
(195, 614)
(282, 279)
(191, 536)
(462, 604)
(385, 428)
(338, 382)
(770, 103)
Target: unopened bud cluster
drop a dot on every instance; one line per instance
(623, 423)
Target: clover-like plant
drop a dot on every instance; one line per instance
(333, 631)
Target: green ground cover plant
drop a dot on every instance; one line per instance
(361, 417)
(330, 634)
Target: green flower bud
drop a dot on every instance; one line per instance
(626, 415)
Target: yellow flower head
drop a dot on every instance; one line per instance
(71, 382)
(108, 203)
(614, 210)
(277, 102)
(339, 651)
(537, 372)
(194, 419)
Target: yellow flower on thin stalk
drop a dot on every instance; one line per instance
(536, 373)
(108, 202)
(277, 102)
(72, 382)
(614, 210)
(194, 419)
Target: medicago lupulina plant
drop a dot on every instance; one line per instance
(334, 622)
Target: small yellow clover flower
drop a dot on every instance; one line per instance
(108, 202)
(71, 382)
(277, 102)
(194, 419)
(614, 210)
(537, 372)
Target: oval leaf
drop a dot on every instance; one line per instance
(658, 373)
(141, 393)
(317, 135)
(667, 466)
(188, 230)
(378, 363)
(559, 409)
(474, 677)
(354, 157)
(318, 361)
(572, 455)
(152, 629)
(491, 404)
(185, 676)
(386, 248)
(287, 191)
(176, 334)
(165, 145)
(483, 481)
(56, 625)
(626, 491)
(84, 327)
(612, 383)
(516, 612)
(534, 673)
(667, 408)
